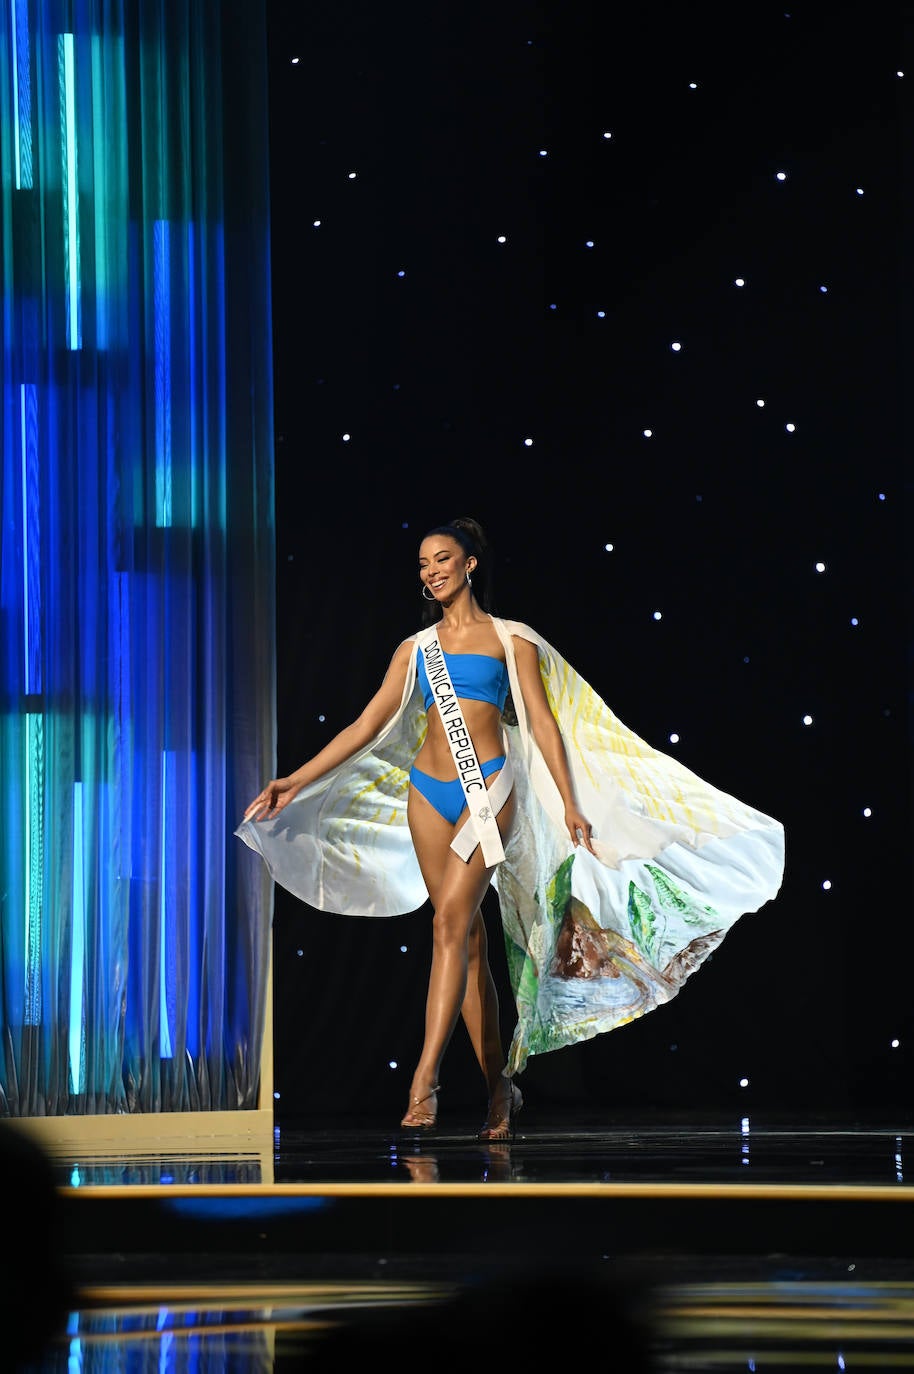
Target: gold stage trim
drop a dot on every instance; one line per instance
(707, 1191)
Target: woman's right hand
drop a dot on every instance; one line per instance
(272, 798)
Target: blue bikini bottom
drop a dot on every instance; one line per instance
(446, 794)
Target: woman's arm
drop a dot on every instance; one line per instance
(548, 737)
(278, 792)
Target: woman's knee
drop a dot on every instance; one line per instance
(452, 925)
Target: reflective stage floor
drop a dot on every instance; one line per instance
(665, 1244)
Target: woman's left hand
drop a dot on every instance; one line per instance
(579, 828)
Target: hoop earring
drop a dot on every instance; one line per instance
(425, 592)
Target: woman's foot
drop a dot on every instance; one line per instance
(422, 1113)
(504, 1105)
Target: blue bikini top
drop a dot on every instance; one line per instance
(478, 677)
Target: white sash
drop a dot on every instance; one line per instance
(482, 807)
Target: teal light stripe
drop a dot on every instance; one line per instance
(161, 301)
(71, 206)
(195, 454)
(77, 945)
(34, 863)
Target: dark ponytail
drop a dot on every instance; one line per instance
(471, 538)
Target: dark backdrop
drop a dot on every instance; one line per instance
(402, 322)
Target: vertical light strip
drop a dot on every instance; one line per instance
(196, 403)
(31, 539)
(105, 266)
(165, 1050)
(22, 94)
(71, 207)
(77, 944)
(26, 656)
(14, 50)
(161, 296)
(34, 863)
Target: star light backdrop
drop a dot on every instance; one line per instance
(630, 292)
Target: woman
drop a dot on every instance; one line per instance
(441, 787)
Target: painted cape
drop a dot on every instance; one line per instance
(592, 943)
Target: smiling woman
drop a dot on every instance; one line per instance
(484, 760)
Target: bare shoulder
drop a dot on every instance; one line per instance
(399, 662)
(525, 651)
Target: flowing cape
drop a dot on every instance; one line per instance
(592, 942)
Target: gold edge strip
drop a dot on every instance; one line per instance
(240, 1293)
(762, 1312)
(789, 1192)
(841, 1330)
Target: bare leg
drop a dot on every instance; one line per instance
(456, 890)
(480, 1009)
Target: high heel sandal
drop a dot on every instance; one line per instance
(504, 1126)
(415, 1120)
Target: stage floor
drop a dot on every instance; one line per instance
(734, 1244)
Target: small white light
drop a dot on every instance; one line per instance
(740, 281)
(647, 433)
(403, 949)
(744, 1082)
(346, 438)
(859, 190)
(295, 61)
(322, 719)
(401, 273)
(607, 134)
(392, 1064)
(553, 306)
(760, 402)
(807, 720)
(781, 176)
(588, 243)
(674, 738)
(881, 496)
(352, 176)
(820, 567)
(601, 314)
(543, 152)
(744, 1125)
(827, 885)
(528, 443)
(502, 238)
(899, 73)
(790, 428)
(300, 953)
(316, 223)
(609, 547)
(745, 658)
(693, 85)
(854, 620)
(824, 290)
(867, 811)
(895, 1044)
(658, 615)
(276, 1095)
(675, 347)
